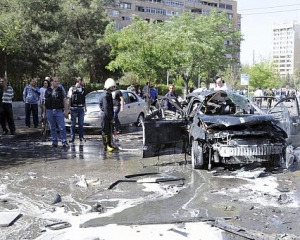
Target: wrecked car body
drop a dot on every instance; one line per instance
(216, 127)
(287, 116)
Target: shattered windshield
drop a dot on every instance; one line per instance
(222, 102)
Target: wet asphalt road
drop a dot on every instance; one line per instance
(36, 178)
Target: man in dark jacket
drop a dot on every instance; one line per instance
(170, 94)
(107, 114)
(55, 108)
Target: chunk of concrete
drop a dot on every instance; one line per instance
(7, 218)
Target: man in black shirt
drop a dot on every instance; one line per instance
(77, 104)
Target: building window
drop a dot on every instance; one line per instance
(139, 9)
(151, 10)
(174, 3)
(115, 12)
(222, 5)
(228, 6)
(125, 5)
(209, 4)
(196, 10)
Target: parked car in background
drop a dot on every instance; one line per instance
(220, 127)
(135, 109)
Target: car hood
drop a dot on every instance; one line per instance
(231, 120)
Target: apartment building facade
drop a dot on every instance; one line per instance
(286, 49)
(121, 11)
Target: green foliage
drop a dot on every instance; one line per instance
(57, 38)
(262, 75)
(129, 78)
(184, 46)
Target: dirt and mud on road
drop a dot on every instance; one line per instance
(69, 193)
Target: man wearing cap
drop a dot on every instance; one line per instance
(76, 96)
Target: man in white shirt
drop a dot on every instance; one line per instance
(220, 85)
(258, 94)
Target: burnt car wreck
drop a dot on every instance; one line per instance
(216, 127)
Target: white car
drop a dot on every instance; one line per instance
(135, 109)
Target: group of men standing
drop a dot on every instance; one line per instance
(56, 105)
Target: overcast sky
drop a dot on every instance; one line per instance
(257, 25)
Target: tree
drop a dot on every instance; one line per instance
(136, 49)
(262, 75)
(183, 46)
(55, 38)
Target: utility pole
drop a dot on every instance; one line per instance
(167, 77)
(199, 79)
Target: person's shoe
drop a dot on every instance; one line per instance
(81, 139)
(5, 132)
(109, 148)
(54, 145)
(12, 133)
(65, 145)
(72, 140)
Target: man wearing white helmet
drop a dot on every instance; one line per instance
(107, 113)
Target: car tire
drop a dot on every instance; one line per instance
(197, 155)
(139, 120)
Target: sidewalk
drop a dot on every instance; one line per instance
(22, 131)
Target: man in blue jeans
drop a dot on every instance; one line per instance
(55, 108)
(77, 104)
(31, 96)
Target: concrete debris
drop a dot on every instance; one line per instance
(84, 182)
(58, 225)
(57, 199)
(8, 218)
(284, 199)
(252, 174)
(81, 181)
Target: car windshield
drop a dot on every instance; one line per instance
(93, 97)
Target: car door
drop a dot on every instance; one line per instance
(124, 116)
(287, 117)
(164, 136)
(135, 107)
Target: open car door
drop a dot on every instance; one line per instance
(287, 116)
(164, 131)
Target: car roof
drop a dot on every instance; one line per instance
(102, 90)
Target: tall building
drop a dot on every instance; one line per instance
(121, 11)
(286, 49)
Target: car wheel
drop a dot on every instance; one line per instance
(140, 119)
(197, 155)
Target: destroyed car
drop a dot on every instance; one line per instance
(287, 115)
(216, 127)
